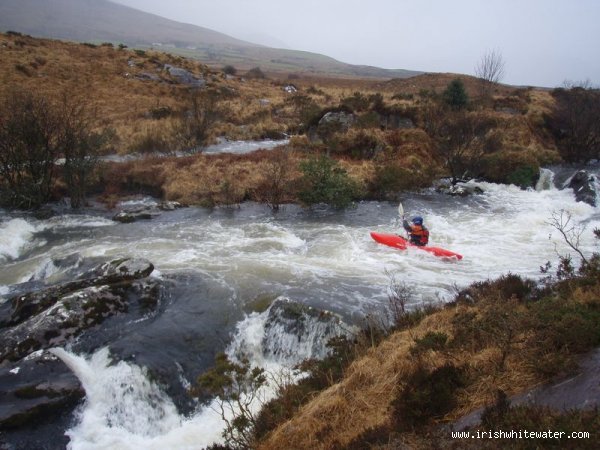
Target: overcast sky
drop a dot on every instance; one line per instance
(543, 42)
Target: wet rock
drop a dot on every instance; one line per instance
(24, 306)
(458, 190)
(294, 332)
(133, 215)
(34, 389)
(62, 321)
(118, 270)
(169, 206)
(584, 186)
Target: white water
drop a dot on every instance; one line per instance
(324, 259)
(16, 235)
(124, 410)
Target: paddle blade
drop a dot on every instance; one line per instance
(400, 210)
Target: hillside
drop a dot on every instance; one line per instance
(100, 21)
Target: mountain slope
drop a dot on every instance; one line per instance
(102, 20)
(98, 20)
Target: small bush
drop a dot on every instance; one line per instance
(140, 52)
(455, 95)
(519, 166)
(427, 396)
(393, 178)
(160, 112)
(356, 102)
(23, 69)
(523, 176)
(506, 287)
(324, 181)
(431, 341)
(356, 145)
(229, 70)
(255, 73)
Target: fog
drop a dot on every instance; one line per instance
(543, 42)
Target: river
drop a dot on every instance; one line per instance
(221, 265)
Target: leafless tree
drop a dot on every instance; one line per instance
(29, 147)
(490, 70)
(274, 188)
(574, 121)
(571, 232)
(80, 146)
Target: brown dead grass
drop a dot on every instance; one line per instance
(363, 398)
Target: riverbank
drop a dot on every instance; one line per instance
(497, 339)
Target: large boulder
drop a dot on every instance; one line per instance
(342, 119)
(584, 186)
(22, 307)
(36, 388)
(62, 321)
(185, 77)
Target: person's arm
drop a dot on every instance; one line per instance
(406, 225)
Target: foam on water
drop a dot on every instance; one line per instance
(16, 236)
(124, 410)
(329, 262)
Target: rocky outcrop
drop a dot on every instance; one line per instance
(294, 332)
(331, 122)
(37, 387)
(581, 391)
(33, 383)
(584, 186)
(145, 212)
(342, 119)
(185, 77)
(23, 307)
(457, 190)
(52, 316)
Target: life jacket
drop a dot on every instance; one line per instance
(419, 235)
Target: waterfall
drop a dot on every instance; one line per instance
(546, 180)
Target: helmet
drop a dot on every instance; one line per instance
(417, 220)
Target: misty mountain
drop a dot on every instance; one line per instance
(104, 21)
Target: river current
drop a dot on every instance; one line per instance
(221, 265)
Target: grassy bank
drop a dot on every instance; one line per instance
(389, 135)
(395, 389)
(505, 335)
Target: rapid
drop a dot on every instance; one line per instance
(221, 265)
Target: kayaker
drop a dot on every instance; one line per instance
(418, 233)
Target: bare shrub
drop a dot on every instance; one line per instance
(490, 70)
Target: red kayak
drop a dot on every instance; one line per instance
(393, 240)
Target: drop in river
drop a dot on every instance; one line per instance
(221, 266)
